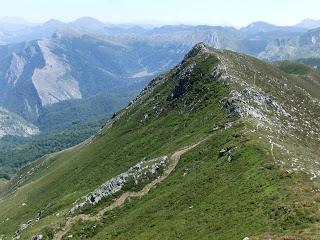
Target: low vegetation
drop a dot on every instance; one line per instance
(294, 68)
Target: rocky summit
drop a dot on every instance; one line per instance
(242, 141)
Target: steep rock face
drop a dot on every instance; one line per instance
(54, 82)
(311, 38)
(17, 92)
(16, 69)
(68, 66)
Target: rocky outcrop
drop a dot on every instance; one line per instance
(226, 151)
(184, 82)
(37, 237)
(140, 171)
(16, 69)
(232, 105)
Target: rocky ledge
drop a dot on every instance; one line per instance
(140, 171)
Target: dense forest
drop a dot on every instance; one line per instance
(15, 152)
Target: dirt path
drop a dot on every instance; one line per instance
(85, 217)
(271, 150)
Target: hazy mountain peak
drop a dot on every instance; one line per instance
(259, 26)
(53, 22)
(88, 23)
(309, 23)
(87, 19)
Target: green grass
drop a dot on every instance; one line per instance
(216, 199)
(312, 62)
(294, 68)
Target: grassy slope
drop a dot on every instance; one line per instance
(248, 197)
(305, 76)
(75, 172)
(216, 199)
(312, 62)
(293, 68)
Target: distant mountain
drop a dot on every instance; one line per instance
(52, 26)
(87, 24)
(302, 45)
(258, 27)
(86, 61)
(72, 70)
(264, 27)
(12, 24)
(130, 29)
(311, 38)
(68, 66)
(309, 23)
(259, 39)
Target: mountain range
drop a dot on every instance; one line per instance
(56, 75)
(48, 68)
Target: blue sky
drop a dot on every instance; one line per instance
(213, 12)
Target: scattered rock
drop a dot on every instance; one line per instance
(158, 111)
(37, 237)
(222, 152)
(16, 237)
(216, 73)
(24, 226)
(232, 104)
(227, 151)
(115, 184)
